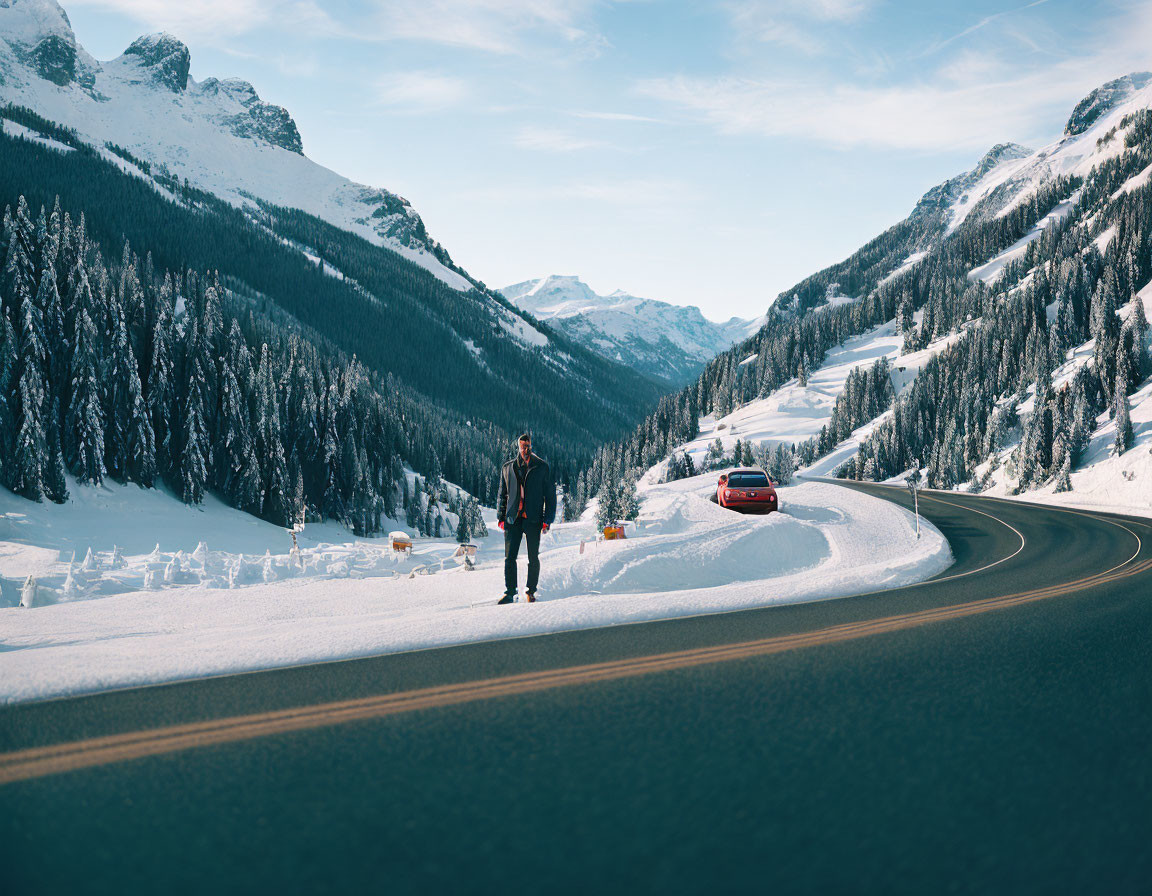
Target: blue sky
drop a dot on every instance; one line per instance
(707, 153)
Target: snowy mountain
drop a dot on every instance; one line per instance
(217, 134)
(995, 340)
(205, 183)
(665, 341)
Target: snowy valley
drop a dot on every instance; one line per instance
(172, 405)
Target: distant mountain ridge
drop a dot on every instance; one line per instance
(669, 342)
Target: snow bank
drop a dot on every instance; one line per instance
(684, 556)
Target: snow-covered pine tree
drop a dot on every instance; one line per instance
(1124, 434)
(161, 382)
(84, 421)
(1064, 475)
(476, 523)
(132, 458)
(608, 503)
(629, 501)
(269, 446)
(31, 448)
(19, 269)
(55, 483)
(194, 457)
(9, 366)
(333, 506)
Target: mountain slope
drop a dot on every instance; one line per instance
(664, 341)
(216, 134)
(1000, 341)
(205, 176)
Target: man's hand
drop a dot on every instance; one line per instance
(501, 525)
(543, 528)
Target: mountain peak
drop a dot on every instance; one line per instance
(1001, 152)
(165, 56)
(1102, 99)
(945, 195)
(41, 36)
(661, 340)
(252, 117)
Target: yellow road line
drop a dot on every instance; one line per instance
(40, 761)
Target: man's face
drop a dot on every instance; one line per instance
(525, 450)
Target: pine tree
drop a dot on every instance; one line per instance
(31, 449)
(629, 501)
(269, 446)
(476, 519)
(1064, 476)
(9, 371)
(194, 457)
(161, 382)
(19, 269)
(55, 482)
(84, 430)
(132, 449)
(1124, 433)
(51, 314)
(31, 452)
(608, 506)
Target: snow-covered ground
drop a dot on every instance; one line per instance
(1104, 480)
(214, 613)
(794, 413)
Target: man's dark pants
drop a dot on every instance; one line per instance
(512, 534)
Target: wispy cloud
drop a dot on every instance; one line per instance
(974, 98)
(983, 23)
(796, 24)
(213, 21)
(553, 140)
(937, 116)
(421, 90)
(497, 26)
(638, 193)
(618, 116)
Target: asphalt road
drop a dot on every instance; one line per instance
(986, 732)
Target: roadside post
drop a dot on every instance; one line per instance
(913, 482)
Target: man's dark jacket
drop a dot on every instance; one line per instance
(539, 492)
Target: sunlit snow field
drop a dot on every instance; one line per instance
(353, 597)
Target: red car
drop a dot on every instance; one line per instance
(748, 491)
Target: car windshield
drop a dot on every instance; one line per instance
(747, 480)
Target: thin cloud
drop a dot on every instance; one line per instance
(980, 25)
(495, 26)
(630, 194)
(211, 21)
(421, 90)
(971, 102)
(552, 140)
(619, 116)
(796, 24)
(938, 116)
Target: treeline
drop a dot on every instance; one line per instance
(444, 348)
(119, 370)
(964, 405)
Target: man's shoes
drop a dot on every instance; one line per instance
(506, 599)
(531, 597)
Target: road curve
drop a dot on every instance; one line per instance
(984, 731)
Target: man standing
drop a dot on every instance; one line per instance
(527, 507)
